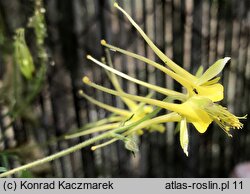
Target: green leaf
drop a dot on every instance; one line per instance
(3, 169)
(213, 71)
(26, 174)
(4, 160)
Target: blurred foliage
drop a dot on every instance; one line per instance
(24, 74)
(4, 158)
(4, 161)
(3, 169)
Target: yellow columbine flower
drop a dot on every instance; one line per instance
(198, 110)
(197, 105)
(190, 107)
(204, 85)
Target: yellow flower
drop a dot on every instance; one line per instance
(198, 110)
(204, 85)
(190, 108)
(197, 105)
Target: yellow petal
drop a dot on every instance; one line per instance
(201, 126)
(213, 71)
(214, 92)
(184, 136)
(195, 115)
(194, 112)
(211, 82)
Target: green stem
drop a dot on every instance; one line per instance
(54, 156)
(93, 130)
(79, 146)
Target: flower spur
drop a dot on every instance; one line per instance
(205, 85)
(135, 112)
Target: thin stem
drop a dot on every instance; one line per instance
(171, 117)
(93, 130)
(101, 122)
(54, 156)
(93, 148)
(113, 78)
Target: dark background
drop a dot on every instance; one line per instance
(191, 32)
